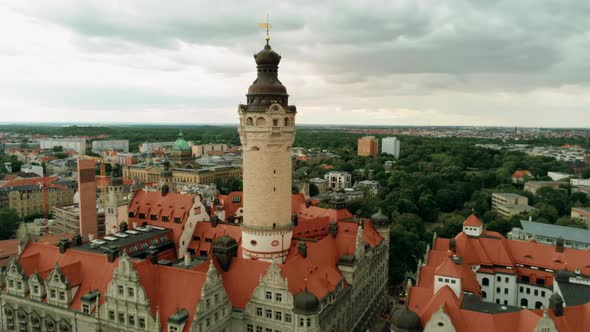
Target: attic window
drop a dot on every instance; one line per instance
(177, 220)
(154, 217)
(165, 218)
(236, 199)
(208, 240)
(142, 216)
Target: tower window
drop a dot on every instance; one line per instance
(253, 243)
(275, 122)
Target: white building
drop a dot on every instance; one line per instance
(71, 143)
(116, 145)
(338, 180)
(557, 176)
(151, 146)
(391, 146)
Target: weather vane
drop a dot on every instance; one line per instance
(266, 26)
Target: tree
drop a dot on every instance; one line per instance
(405, 249)
(9, 221)
(313, 190)
(569, 222)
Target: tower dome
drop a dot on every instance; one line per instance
(306, 303)
(267, 89)
(406, 320)
(181, 144)
(379, 219)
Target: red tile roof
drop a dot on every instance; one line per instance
(473, 221)
(521, 173)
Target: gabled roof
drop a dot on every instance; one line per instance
(473, 221)
(521, 173)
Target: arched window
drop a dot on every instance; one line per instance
(287, 122)
(260, 122)
(538, 305)
(524, 303)
(249, 121)
(483, 295)
(485, 282)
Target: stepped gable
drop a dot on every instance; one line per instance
(167, 288)
(87, 269)
(207, 235)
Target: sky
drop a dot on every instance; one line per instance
(481, 62)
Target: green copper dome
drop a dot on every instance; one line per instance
(180, 144)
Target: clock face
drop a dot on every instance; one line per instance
(275, 108)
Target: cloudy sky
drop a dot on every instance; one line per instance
(393, 62)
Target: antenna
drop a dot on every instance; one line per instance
(266, 26)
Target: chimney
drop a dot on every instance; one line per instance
(152, 254)
(302, 249)
(112, 253)
(87, 191)
(123, 227)
(77, 240)
(559, 245)
(187, 259)
(165, 190)
(214, 221)
(452, 245)
(333, 228)
(64, 244)
(556, 304)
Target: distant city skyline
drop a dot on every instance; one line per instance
(403, 63)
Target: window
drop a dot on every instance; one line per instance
(172, 328)
(308, 322)
(505, 302)
(130, 292)
(275, 122)
(453, 281)
(216, 316)
(111, 315)
(268, 313)
(19, 285)
(525, 279)
(524, 302)
(268, 295)
(497, 289)
(288, 318)
(499, 279)
(258, 311)
(440, 279)
(540, 282)
(278, 315)
(121, 318)
(483, 294)
(62, 296)
(485, 281)
(250, 328)
(528, 290)
(85, 308)
(36, 289)
(446, 280)
(258, 328)
(268, 329)
(121, 290)
(505, 290)
(207, 322)
(506, 280)
(131, 320)
(521, 289)
(538, 305)
(543, 293)
(165, 218)
(279, 297)
(11, 283)
(215, 298)
(301, 322)
(141, 322)
(177, 220)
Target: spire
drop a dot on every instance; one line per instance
(266, 26)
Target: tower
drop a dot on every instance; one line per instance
(87, 190)
(267, 132)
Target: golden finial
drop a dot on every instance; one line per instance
(266, 26)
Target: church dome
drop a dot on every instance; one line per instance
(407, 320)
(180, 144)
(379, 219)
(267, 57)
(306, 303)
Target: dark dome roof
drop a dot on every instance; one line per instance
(306, 303)
(564, 276)
(379, 219)
(407, 320)
(267, 87)
(267, 57)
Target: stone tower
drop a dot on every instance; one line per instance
(267, 132)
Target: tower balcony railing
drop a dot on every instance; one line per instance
(283, 227)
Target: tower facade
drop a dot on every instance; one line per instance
(87, 190)
(267, 132)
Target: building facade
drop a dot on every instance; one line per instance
(390, 145)
(26, 196)
(77, 144)
(582, 214)
(368, 146)
(115, 145)
(199, 150)
(507, 205)
(143, 173)
(338, 180)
